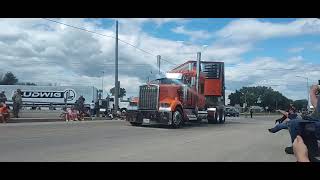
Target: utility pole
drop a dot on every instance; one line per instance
(308, 106)
(158, 63)
(102, 85)
(116, 93)
(198, 79)
(198, 71)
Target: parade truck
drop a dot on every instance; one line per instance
(192, 91)
(43, 96)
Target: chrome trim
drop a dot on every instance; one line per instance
(212, 109)
(163, 109)
(149, 97)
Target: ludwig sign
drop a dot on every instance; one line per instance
(68, 94)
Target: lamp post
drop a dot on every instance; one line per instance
(245, 100)
(102, 85)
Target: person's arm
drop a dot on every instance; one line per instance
(283, 112)
(313, 97)
(300, 150)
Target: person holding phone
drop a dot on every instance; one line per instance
(294, 125)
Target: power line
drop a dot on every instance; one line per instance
(83, 29)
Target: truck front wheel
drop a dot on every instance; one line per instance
(135, 124)
(222, 117)
(177, 119)
(213, 119)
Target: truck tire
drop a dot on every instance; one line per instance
(138, 121)
(177, 119)
(213, 120)
(199, 120)
(135, 124)
(222, 117)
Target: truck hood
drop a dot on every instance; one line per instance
(168, 93)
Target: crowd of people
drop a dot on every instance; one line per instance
(78, 111)
(5, 109)
(296, 125)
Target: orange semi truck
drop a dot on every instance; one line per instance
(192, 91)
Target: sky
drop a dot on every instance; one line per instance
(265, 52)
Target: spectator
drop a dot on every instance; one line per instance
(295, 124)
(92, 108)
(284, 124)
(81, 101)
(4, 113)
(51, 106)
(17, 102)
(300, 150)
(3, 97)
(72, 114)
(33, 107)
(284, 117)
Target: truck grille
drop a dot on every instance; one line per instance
(148, 97)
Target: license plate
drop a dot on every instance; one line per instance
(147, 121)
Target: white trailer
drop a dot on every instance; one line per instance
(56, 95)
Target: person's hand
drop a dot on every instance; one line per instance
(314, 89)
(300, 150)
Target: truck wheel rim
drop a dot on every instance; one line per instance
(177, 118)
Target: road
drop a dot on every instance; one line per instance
(239, 139)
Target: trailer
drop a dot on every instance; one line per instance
(43, 96)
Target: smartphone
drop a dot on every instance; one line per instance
(318, 92)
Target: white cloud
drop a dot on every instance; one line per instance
(194, 35)
(295, 50)
(243, 30)
(280, 75)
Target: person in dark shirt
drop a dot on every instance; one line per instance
(291, 114)
(3, 97)
(284, 117)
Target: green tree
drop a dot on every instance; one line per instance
(122, 92)
(9, 79)
(301, 104)
(268, 97)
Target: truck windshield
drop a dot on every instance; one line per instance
(169, 81)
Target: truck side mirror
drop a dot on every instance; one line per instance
(193, 81)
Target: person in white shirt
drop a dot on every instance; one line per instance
(92, 107)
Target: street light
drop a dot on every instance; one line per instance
(102, 85)
(307, 89)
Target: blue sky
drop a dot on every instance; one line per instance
(276, 47)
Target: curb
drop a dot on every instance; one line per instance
(24, 120)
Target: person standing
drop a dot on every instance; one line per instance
(92, 108)
(17, 102)
(251, 112)
(3, 97)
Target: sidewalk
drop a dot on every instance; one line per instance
(41, 119)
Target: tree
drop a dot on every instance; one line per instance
(9, 79)
(300, 104)
(27, 83)
(269, 97)
(122, 92)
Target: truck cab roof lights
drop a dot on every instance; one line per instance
(174, 75)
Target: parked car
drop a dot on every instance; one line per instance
(232, 112)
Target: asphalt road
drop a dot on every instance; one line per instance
(239, 139)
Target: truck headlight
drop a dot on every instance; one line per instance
(165, 107)
(212, 109)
